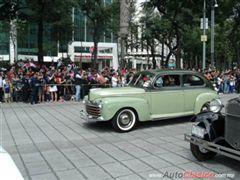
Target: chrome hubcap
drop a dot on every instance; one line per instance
(125, 119)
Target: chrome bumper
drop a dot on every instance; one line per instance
(89, 118)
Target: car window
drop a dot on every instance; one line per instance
(167, 81)
(192, 80)
(142, 79)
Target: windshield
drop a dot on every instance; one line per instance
(141, 79)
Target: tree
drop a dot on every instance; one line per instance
(11, 15)
(9, 9)
(175, 16)
(55, 13)
(150, 34)
(99, 18)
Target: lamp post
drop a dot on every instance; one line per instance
(213, 6)
(204, 35)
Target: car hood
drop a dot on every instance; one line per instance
(114, 92)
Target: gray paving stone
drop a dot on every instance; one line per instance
(27, 148)
(133, 150)
(95, 172)
(99, 156)
(12, 149)
(57, 161)
(38, 167)
(45, 146)
(116, 169)
(48, 176)
(74, 149)
(78, 158)
(148, 147)
(173, 147)
(32, 157)
(156, 141)
(70, 175)
(20, 164)
(186, 154)
(136, 165)
(115, 152)
(130, 177)
(155, 162)
(173, 158)
(63, 144)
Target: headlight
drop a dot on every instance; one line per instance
(215, 106)
(99, 104)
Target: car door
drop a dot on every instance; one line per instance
(193, 86)
(167, 99)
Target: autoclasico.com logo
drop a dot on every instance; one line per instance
(191, 174)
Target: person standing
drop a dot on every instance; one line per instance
(7, 94)
(34, 84)
(114, 80)
(78, 82)
(238, 81)
(1, 87)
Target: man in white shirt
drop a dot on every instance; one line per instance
(114, 80)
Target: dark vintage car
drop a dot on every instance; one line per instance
(216, 133)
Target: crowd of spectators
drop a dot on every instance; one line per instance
(226, 82)
(33, 84)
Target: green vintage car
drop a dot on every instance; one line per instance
(151, 95)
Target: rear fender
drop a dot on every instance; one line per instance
(213, 122)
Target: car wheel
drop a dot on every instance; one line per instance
(124, 120)
(199, 152)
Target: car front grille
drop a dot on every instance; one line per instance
(93, 110)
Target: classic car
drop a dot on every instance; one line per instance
(151, 95)
(216, 133)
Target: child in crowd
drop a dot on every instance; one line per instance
(7, 95)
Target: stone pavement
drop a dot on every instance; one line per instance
(49, 141)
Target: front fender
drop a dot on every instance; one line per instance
(202, 99)
(213, 122)
(110, 106)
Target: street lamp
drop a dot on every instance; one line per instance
(213, 6)
(204, 37)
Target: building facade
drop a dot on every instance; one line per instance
(79, 50)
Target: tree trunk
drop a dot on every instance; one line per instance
(153, 54)
(40, 41)
(40, 33)
(95, 53)
(167, 59)
(178, 58)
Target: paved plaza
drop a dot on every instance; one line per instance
(49, 141)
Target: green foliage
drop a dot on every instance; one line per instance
(100, 20)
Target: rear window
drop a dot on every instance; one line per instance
(192, 80)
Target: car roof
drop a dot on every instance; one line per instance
(171, 71)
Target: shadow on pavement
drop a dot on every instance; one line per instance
(98, 126)
(164, 122)
(106, 126)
